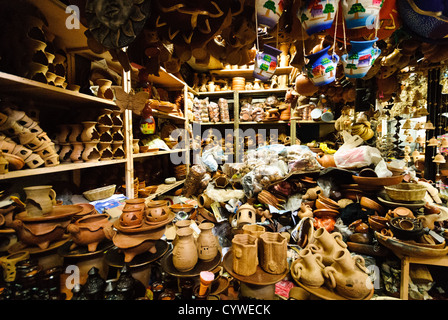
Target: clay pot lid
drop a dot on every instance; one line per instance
(58, 212)
(125, 241)
(87, 209)
(326, 213)
(403, 212)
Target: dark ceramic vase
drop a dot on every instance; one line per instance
(126, 283)
(94, 286)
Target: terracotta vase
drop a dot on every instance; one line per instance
(76, 155)
(75, 133)
(89, 132)
(90, 152)
(207, 242)
(349, 276)
(327, 244)
(39, 200)
(185, 252)
(65, 152)
(88, 231)
(308, 269)
(273, 252)
(245, 254)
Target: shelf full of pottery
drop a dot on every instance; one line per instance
(29, 150)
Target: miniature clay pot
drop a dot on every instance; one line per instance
(273, 252)
(131, 218)
(246, 214)
(349, 276)
(185, 252)
(88, 230)
(245, 254)
(308, 269)
(207, 243)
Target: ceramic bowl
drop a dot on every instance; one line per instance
(406, 228)
(371, 204)
(326, 213)
(377, 223)
(181, 207)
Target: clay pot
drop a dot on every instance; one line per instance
(304, 86)
(245, 214)
(327, 244)
(185, 252)
(88, 230)
(131, 218)
(308, 269)
(134, 204)
(207, 243)
(245, 254)
(349, 276)
(39, 200)
(158, 210)
(273, 252)
(204, 201)
(254, 230)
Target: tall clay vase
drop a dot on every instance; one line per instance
(245, 254)
(349, 276)
(39, 200)
(207, 242)
(90, 152)
(89, 132)
(308, 269)
(327, 244)
(273, 252)
(185, 252)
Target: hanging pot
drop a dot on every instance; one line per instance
(266, 63)
(361, 13)
(321, 68)
(269, 12)
(317, 15)
(360, 58)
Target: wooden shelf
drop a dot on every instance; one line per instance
(158, 114)
(164, 188)
(59, 168)
(21, 87)
(243, 92)
(156, 153)
(247, 73)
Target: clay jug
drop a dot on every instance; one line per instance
(321, 68)
(313, 20)
(207, 242)
(361, 57)
(308, 269)
(266, 63)
(273, 252)
(185, 252)
(39, 200)
(349, 276)
(327, 244)
(245, 254)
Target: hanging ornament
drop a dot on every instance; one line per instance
(361, 13)
(317, 15)
(266, 63)
(269, 12)
(433, 142)
(361, 58)
(321, 68)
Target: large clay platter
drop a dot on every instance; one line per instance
(82, 251)
(115, 257)
(168, 266)
(260, 277)
(19, 246)
(407, 249)
(58, 212)
(327, 294)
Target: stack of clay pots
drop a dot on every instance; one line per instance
(327, 262)
(139, 227)
(88, 141)
(22, 137)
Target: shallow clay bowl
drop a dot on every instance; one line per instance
(326, 213)
(371, 204)
(372, 183)
(377, 223)
(324, 205)
(329, 202)
(182, 207)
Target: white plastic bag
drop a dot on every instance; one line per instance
(358, 157)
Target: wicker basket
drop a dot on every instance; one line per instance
(406, 192)
(100, 193)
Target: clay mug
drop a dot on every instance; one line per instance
(39, 200)
(9, 262)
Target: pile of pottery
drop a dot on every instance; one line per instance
(139, 227)
(89, 141)
(23, 141)
(43, 222)
(257, 247)
(326, 262)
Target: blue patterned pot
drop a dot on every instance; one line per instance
(321, 67)
(269, 12)
(361, 13)
(360, 59)
(317, 15)
(266, 63)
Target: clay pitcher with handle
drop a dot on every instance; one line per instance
(39, 200)
(308, 269)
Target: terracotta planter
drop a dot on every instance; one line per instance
(245, 254)
(185, 252)
(88, 230)
(39, 200)
(308, 269)
(349, 276)
(207, 243)
(273, 252)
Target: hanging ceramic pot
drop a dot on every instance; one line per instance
(361, 13)
(360, 58)
(321, 67)
(266, 63)
(269, 12)
(317, 15)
